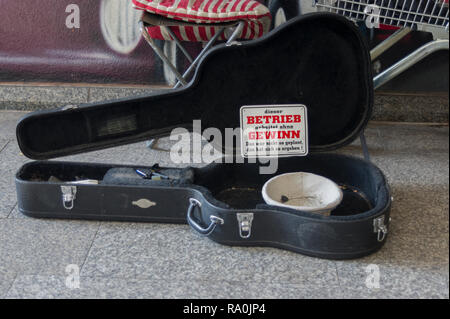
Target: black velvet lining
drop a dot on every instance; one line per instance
(238, 186)
(319, 60)
(64, 171)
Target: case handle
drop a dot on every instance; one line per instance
(201, 230)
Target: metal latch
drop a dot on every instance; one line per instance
(245, 224)
(233, 43)
(68, 196)
(380, 228)
(69, 107)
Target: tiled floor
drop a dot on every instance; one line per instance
(128, 260)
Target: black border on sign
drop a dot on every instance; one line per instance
(275, 106)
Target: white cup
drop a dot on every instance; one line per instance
(303, 191)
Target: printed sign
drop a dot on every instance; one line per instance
(274, 130)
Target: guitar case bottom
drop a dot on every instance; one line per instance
(319, 61)
(221, 201)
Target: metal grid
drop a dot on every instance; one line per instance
(414, 14)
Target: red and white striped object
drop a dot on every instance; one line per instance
(256, 16)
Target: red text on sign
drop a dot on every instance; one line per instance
(274, 119)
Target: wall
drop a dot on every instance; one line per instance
(98, 41)
(74, 41)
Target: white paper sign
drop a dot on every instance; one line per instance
(274, 130)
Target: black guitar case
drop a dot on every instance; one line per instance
(319, 60)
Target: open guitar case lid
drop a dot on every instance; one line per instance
(319, 60)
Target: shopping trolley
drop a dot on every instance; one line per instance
(407, 15)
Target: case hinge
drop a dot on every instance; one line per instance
(68, 196)
(245, 224)
(380, 228)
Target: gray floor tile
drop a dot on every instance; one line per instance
(394, 282)
(16, 214)
(8, 122)
(420, 211)
(6, 207)
(421, 169)
(422, 292)
(416, 253)
(34, 246)
(8, 196)
(3, 143)
(10, 161)
(415, 169)
(94, 287)
(397, 139)
(11, 158)
(149, 251)
(407, 139)
(408, 267)
(6, 281)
